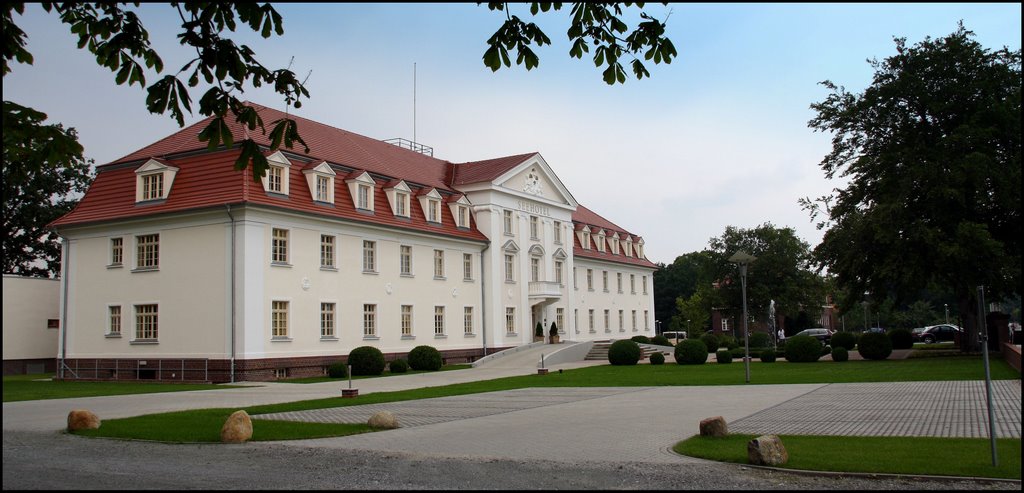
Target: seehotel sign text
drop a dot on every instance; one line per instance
(533, 208)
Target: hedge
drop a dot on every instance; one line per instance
(691, 352)
(624, 352)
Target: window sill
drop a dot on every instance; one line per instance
(281, 264)
(112, 336)
(370, 272)
(281, 339)
(467, 280)
(145, 269)
(440, 336)
(509, 282)
(408, 276)
(408, 338)
(115, 266)
(144, 342)
(511, 334)
(328, 339)
(469, 335)
(324, 268)
(440, 278)
(371, 338)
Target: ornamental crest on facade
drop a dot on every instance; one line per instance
(532, 185)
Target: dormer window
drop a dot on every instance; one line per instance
(585, 237)
(402, 204)
(431, 204)
(463, 216)
(321, 181)
(363, 192)
(361, 185)
(460, 211)
(398, 194)
(629, 246)
(153, 180)
(615, 244)
(600, 241)
(276, 179)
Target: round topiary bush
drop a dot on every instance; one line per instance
(640, 339)
(728, 341)
(366, 360)
(738, 352)
(337, 370)
(874, 345)
(760, 339)
(691, 352)
(802, 349)
(768, 356)
(624, 352)
(425, 358)
(901, 339)
(845, 340)
(661, 340)
(657, 359)
(398, 366)
(710, 342)
(840, 353)
(723, 356)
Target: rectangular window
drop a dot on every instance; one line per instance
(534, 227)
(327, 320)
(402, 204)
(369, 320)
(405, 262)
(576, 320)
(463, 216)
(467, 266)
(327, 251)
(575, 283)
(633, 318)
(508, 222)
(607, 320)
(153, 186)
(534, 269)
(590, 279)
(116, 251)
(632, 283)
(275, 179)
(438, 263)
(510, 320)
(557, 230)
(147, 322)
(509, 268)
(622, 327)
(645, 284)
(558, 271)
(369, 256)
(618, 278)
(439, 320)
(604, 280)
(363, 197)
(590, 316)
(433, 211)
(647, 321)
(148, 251)
(114, 324)
(467, 320)
(279, 319)
(560, 319)
(406, 320)
(322, 189)
(279, 246)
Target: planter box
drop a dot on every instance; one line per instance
(349, 392)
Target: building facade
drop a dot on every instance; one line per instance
(178, 267)
(31, 324)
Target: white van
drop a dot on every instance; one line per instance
(674, 337)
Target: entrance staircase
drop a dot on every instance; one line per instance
(599, 352)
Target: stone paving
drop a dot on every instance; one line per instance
(935, 409)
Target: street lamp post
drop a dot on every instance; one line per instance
(947, 312)
(743, 258)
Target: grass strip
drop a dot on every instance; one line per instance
(968, 457)
(37, 387)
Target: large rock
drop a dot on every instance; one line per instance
(713, 427)
(82, 419)
(237, 428)
(383, 419)
(767, 450)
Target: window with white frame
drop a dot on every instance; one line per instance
(607, 321)
(463, 216)
(604, 280)
(622, 327)
(433, 211)
(576, 320)
(116, 251)
(632, 283)
(618, 279)
(327, 317)
(363, 199)
(147, 322)
(557, 232)
(153, 186)
(279, 319)
(467, 320)
(634, 320)
(534, 269)
(575, 283)
(586, 240)
(590, 317)
(406, 320)
(279, 246)
(114, 320)
(725, 325)
(369, 256)
(438, 320)
(534, 227)
(402, 204)
(323, 189)
(558, 271)
(647, 321)
(147, 251)
(275, 179)
(560, 319)
(369, 320)
(405, 260)
(644, 283)
(439, 264)
(327, 251)
(507, 215)
(510, 264)
(590, 279)
(510, 320)
(467, 266)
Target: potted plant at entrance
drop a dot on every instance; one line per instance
(553, 332)
(538, 333)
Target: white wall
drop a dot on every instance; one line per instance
(28, 304)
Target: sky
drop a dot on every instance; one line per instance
(717, 138)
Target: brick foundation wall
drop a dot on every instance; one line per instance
(22, 366)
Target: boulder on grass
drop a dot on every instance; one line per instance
(383, 420)
(82, 419)
(713, 427)
(767, 450)
(237, 428)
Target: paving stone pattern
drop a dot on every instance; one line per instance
(937, 409)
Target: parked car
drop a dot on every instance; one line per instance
(935, 333)
(875, 330)
(674, 336)
(821, 334)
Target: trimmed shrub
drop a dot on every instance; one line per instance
(661, 340)
(553, 330)
(538, 330)
(624, 352)
(710, 342)
(803, 349)
(657, 359)
(640, 339)
(760, 339)
(425, 358)
(723, 356)
(873, 345)
(768, 356)
(728, 342)
(901, 339)
(840, 353)
(337, 370)
(845, 340)
(398, 366)
(691, 352)
(366, 360)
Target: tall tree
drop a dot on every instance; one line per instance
(681, 278)
(43, 174)
(932, 154)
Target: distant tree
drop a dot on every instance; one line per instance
(44, 173)
(931, 153)
(681, 278)
(695, 311)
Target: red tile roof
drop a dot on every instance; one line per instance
(586, 217)
(480, 171)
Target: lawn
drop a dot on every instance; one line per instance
(905, 455)
(385, 374)
(35, 387)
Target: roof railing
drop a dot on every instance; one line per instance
(412, 146)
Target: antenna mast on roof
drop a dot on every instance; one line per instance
(414, 102)
(405, 143)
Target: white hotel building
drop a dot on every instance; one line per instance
(178, 267)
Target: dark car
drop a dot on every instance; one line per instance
(876, 330)
(935, 333)
(822, 335)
